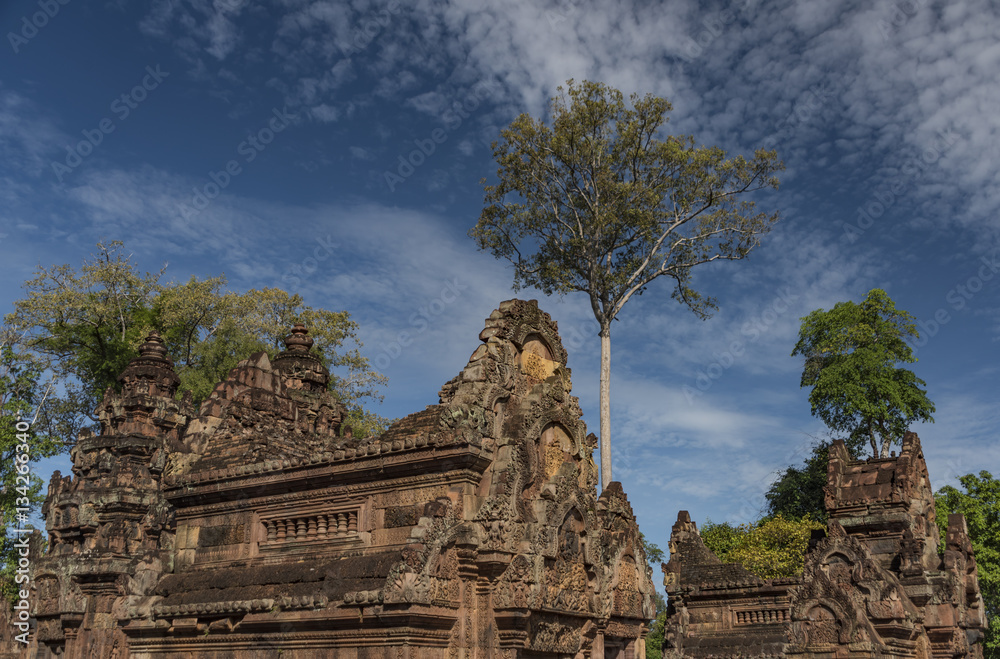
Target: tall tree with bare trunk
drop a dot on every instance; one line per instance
(601, 202)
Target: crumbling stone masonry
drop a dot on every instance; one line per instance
(874, 584)
(251, 528)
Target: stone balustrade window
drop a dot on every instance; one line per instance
(321, 526)
(761, 617)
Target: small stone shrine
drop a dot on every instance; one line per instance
(253, 527)
(874, 584)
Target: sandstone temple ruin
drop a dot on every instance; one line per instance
(253, 527)
(874, 584)
(256, 526)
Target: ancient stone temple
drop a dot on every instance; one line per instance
(256, 526)
(874, 584)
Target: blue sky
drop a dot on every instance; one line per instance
(281, 144)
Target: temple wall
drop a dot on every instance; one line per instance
(874, 586)
(257, 526)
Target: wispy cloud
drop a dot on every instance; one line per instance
(29, 139)
(854, 98)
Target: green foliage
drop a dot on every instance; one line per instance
(770, 547)
(851, 355)
(209, 361)
(602, 203)
(653, 552)
(80, 329)
(22, 394)
(606, 206)
(86, 326)
(654, 639)
(799, 490)
(723, 539)
(364, 423)
(980, 503)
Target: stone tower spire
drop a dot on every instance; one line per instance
(108, 523)
(299, 364)
(146, 405)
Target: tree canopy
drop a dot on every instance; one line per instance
(85, 326)
(23, 392)
(75, 331)
(654, 640)
(798, 491)
(770, 547)
(602, 203)
(851, 354)
(980, 503)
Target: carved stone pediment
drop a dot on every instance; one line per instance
(471, 528)
(873, 586)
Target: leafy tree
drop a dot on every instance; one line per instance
(770, 547)
(212, 358)
(600, 203)
(799, 490)
(654, 639)
(269, 313)
(851, 354)
(980, 503)
(73, 333)
(653, 552)
(85, 326)
(22, 394)
(722, 539)
(655, 556)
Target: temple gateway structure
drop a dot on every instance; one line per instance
(874, 584)
(253, 527)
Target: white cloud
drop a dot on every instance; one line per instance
(223, 35)
(325, 113)
(849, 103)
(29, 140)
(361, 153)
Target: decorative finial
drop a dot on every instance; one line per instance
(301, 366)
(299, 340)
(152, 365)
(154, 347)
